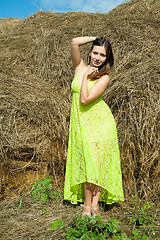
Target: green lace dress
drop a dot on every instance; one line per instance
(93, 151)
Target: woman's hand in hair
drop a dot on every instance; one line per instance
(75, 49)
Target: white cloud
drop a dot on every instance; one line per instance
(101, 6)
(79, 5)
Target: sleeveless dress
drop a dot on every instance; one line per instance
(93, 151)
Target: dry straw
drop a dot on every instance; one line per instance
(35, 77)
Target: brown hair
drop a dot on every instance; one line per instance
(103, 69)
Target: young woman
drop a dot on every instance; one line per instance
(93, 171)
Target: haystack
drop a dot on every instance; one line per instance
(35, 77)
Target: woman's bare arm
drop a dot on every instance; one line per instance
(96, 91)
(75, 48)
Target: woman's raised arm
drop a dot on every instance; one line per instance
(75, 48)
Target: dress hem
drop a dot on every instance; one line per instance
(109, 200)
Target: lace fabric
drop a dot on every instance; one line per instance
(93, 151)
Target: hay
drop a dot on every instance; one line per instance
(36, 73)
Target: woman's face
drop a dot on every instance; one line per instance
(98, 56)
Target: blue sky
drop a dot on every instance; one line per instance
(24, 8)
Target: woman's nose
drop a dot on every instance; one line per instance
(97, 56)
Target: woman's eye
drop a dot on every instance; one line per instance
(95, 53)
(102, 55)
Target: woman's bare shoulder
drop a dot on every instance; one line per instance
(104, 78)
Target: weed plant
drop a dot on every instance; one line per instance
(42, 191)
(94, 228)
(143, 221)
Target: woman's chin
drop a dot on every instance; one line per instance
(96, 65)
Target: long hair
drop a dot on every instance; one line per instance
(104, 68)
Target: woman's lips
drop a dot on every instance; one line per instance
(96, 62)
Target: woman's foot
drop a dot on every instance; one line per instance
(95, 211)
(86, 210)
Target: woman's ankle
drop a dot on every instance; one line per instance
(95, 210)
(86, 210)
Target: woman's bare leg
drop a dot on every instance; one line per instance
(92, 194)
(88, 193)
(96, 194)
(88, 199)
(96, 199)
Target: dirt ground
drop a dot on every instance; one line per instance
(32, 221)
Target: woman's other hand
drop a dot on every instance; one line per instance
(91, 71)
